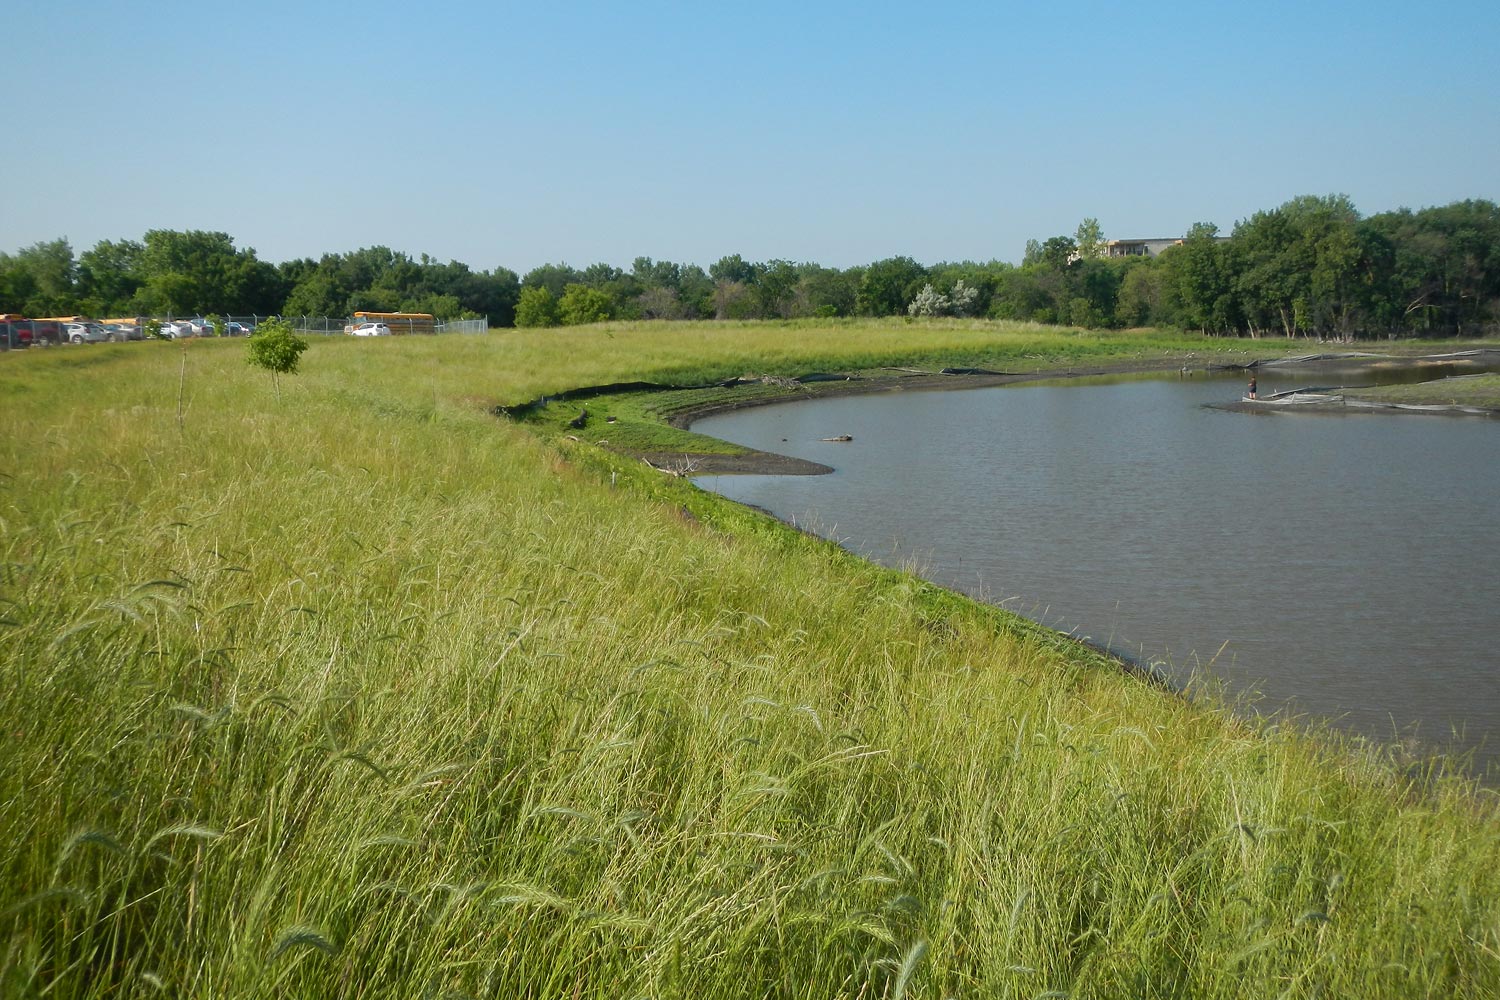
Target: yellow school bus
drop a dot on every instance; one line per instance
(398, 322)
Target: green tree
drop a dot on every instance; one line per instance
(888, 285)
(775, 287)
(1054, 253)
(1269, 274)
(733, 268)
(695, 289)
(1021, 294)
(536, 307)
(1139, 302)
(1088, 241)
(109, 275)
(581, 304)
(659, 302)
(1200, 280)
(734, 300)
(40, 280)
(317, 294)
(656, 273)
(185, 272)
(440, 306)
(275, 348)
(555, 278)
(826, 291)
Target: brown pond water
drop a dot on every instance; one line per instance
(1347, 566)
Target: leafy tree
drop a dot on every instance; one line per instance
(928, 302)
(599, 275)
(184, 272)
(493, 294)
(39, 280)
(656, 274)
(555, 278)
(375, 300)
(317, 294)
(1139, 302)
(826, 291)
(109, 275)
(732, 300)
(660, 303)
(1200, 280)
(775, 287)
(695, 289)
(888, 285)
(439, 306)
(962, 299)
(1096, 281)
(254, 286)
(536, 307)
(1082, 312)
(733, 268)
(16, 284)
(274, 347)
(1054, 253)
(1089, 241)
(1021, 294)
(1270, 278)
(624, 292)
(979, 283)
(582, 304)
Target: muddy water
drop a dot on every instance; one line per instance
(1346, 565)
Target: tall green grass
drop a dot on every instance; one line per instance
(370, 693)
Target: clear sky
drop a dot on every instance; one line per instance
(510, 134)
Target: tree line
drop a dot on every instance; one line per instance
(203, 273)
(1311, 267)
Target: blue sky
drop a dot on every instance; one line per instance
(504, 134)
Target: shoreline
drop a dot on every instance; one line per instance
(764, 463)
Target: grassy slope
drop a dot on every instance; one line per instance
(368, 693)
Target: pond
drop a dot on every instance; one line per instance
(1346, 567)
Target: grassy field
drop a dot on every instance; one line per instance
(371, 693)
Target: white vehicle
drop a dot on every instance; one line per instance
(371, 330)
(201, 327)
(86, 333)
(173, 330)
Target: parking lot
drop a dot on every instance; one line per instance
(18, 332)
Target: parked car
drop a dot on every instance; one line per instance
(372, 330)
(174, 329)
(86, 333)
(238, 329)
(202, 327)
(123, 331)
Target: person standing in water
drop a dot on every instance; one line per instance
(1251, 393)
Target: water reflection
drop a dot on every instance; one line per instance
(1349, 563)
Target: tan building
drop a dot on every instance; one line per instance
(1138, 248)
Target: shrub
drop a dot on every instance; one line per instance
(276, 348)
